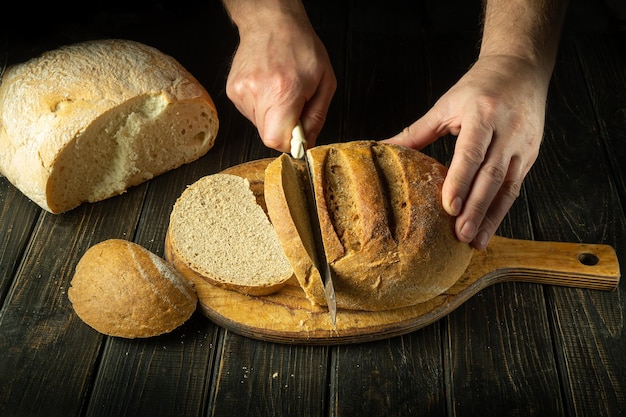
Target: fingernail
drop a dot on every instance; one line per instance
(469, 230)
(482, 239)
(455, 206)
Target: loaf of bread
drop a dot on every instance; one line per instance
(121, 289)
(218, 232)
(388, 240)
(87, 121)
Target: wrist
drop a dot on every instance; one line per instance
(262, 15)
(527, 30)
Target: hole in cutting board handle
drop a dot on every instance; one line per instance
(588, 259)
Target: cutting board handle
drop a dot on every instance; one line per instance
(580, 265)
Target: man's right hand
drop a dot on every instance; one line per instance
(281, 73)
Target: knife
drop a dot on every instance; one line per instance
(298, 151)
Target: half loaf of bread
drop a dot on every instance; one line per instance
(86, 121)
(218, 232)
(388, 240)
(122, 289)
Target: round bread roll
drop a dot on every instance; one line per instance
(387, 238)
(122, 289)
(87, 121)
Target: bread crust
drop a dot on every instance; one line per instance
(86, 121)
(287, 208)
(121, 289)
(388, 240)
(175, 258)
(216, 227)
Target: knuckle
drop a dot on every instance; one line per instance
(496, 173)
(273, 142)
(490, 223)
(511, 189)
(239, 88)
(284, 87)
(317, 117)
(488, 105)
(474, 154)
(480, 207)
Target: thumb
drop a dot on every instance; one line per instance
(419, 134)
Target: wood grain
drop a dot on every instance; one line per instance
(579, 204)
(511, 349)
(18, 216)
(288, 317)
(38, 325)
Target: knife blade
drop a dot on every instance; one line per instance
(298, 151)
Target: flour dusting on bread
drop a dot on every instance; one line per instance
(87, 121)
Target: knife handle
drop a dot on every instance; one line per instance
(298, 142)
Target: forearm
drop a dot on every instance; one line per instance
(257, 14)
(526, 29)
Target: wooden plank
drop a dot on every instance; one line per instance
(395, 377)
(48, 353)
(603, 63)
(266, 379)
(384, 84)
(17, 218)
(251, 377)
(164, 375)
(173, 367)
(581, 203)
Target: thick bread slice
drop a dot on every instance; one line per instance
(387, 238)
(85, 122)
(254, 172)
(288, 207)
(121, 289)
(218, 232)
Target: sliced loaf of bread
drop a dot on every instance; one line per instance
(388, 240)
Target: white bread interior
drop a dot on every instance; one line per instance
(86, 121)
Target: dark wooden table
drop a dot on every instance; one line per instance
(514, 349)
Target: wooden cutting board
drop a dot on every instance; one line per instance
(288, 317)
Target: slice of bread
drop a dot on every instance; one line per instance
(218, 232)
(87, 121)
(289, 208)
(121, 289)
(388, 240)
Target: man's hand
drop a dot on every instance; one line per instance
(497, 111)
(280, 73)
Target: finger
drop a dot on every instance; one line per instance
(500, 205)
(316, 109)
(497, 177)
(237, 92)
(469, 154)
(422, 132)
(275, 122)
(503, 201)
